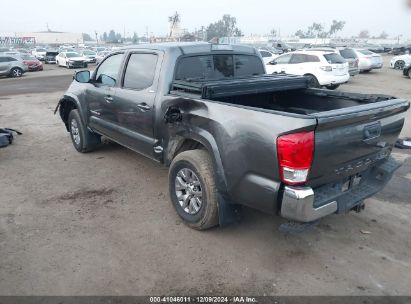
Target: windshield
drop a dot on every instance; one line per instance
(333, 58)
(207, 67)
(71, 55)
(89, 53)
(41, 50)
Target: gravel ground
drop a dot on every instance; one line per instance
(101, 223)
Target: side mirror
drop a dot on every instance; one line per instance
(273, 62)
(82, 76)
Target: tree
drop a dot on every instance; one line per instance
(87, 37)
(226, 27)
(111, 36)
(135, 37)
(364, 34)
(300, 34)
(335, 27)
(383, 35)
(105, 36)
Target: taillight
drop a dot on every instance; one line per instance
(295, 155)
(326, 68)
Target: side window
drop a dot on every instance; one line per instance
(283, 59)
(107, 72)
(311, 58)
(3, 59)
(9, 59)
(140, 71)
(246, 65)
(265, 54)
(297, 58)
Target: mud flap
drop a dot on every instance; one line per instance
(228, 213)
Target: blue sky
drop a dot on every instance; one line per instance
(254, 17)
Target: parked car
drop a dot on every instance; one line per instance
(90, 56)
(407, 70)
(368, 60)
(399, 62)
(101, 55)
(12, 66)
(39, 53)
(267, 55)
(232, 135)
(400, 50)
(348, 54)
(71, 60)
(323, 68)
(32, 62)
(98, 49)
(50, 57)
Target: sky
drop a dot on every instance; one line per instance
(253, 16)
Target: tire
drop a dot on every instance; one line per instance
(312, 81)
(332, 86)
(85, 65)
(197, 168)
(399, 65)
(16, 72)
(409, 73)
(83, 140)
(67, 65)
(365, 71)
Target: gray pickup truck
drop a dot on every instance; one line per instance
(232, 135)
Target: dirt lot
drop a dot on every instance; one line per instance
(102, 224)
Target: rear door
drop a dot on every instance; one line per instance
(349, 140)
(134, 101)
(279, 65)
(4, 64)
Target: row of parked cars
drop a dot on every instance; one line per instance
(326, 66)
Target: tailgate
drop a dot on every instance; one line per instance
(350, 140)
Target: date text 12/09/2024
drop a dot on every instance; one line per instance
(203, 299)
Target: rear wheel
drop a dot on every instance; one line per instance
(312, 81)
(399, 65)
(16, 72)
(83, 140)
(192, 189)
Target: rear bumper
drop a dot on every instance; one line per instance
(305, 204)
(354, 71)
(331, 79)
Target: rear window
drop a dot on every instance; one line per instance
(348, 54)
(333, 58)
(206, 67)
(365, 52)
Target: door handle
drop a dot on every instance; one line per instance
(143, 106)
(108, 98)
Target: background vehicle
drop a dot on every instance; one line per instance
(267, 55)
(399, 62)
(324, 68)
(71, 60)
(12, 66)
(39, 53)
(407, 70)
(50, 57)
(32, 62)
(101, 55)
(302, 153)
(368, 60)
(90, 56)
(348, 54)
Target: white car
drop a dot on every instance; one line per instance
(39, 53)
(325, 68)
(71, 60)
(89, 55)
(267, 55)
(101, 55)
(399, 62)
(368, 60)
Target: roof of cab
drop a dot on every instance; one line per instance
(193, 47)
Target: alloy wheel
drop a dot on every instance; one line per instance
(75, 131)
(189, 191)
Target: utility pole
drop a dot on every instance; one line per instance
(95, 32)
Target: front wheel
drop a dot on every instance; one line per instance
(399, 65)
(192, 189)
(83, 140)
(312, 81)
(332, 86)
(16, 72)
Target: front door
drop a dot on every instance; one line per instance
(101, 96)
(135, 101)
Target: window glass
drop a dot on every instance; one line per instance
(247, 66)
(365, 52)
(333, 58)
(3, 59)
(348, 54)
(283, 59)
(107, 72)
(140, 71)
(265, 54)
(11, 59)
(311, 58)
(208, 67)
(297, 58)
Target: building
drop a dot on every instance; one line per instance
(53, 37)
